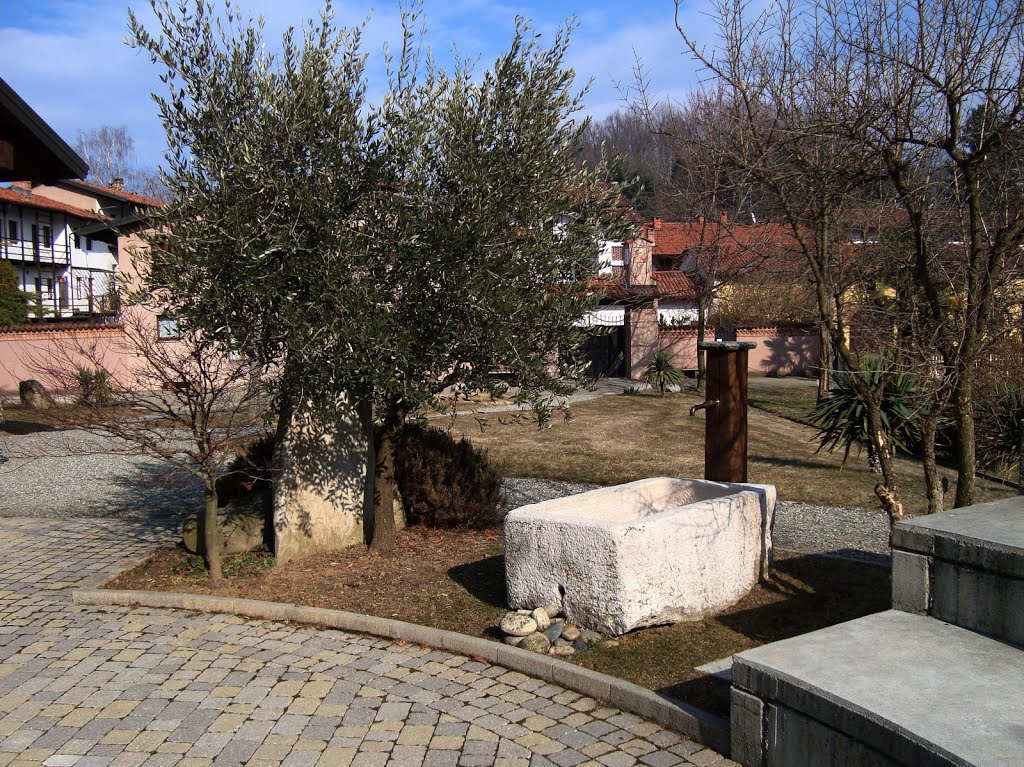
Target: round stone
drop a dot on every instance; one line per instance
(562, 651)
(535, 643)
(570, 632)
(553, 631)
(518, 625)
(590, 637)
(514, 641)
(580, 645)
(540, 615)
(553, 610)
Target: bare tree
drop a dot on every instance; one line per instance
(188, 402)
(787, 89)
(947, 89)
(917, 103)
(110, 152)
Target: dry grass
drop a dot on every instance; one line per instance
(624, 438)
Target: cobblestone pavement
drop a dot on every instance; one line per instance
(90, 687)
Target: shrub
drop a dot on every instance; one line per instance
(93, 386)
(662, 372)
(842, 417)
(250, 472)
(13, 301)
(444, 483)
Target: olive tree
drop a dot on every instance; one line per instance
(378, 253)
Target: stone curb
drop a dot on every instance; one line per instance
(709, 730)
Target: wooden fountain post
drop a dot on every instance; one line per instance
(725, 428)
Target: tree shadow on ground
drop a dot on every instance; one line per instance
(484, 579)
(18, 427)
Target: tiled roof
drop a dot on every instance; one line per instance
(666, 285)
(45, 203)
(118, 194)
(741, 245)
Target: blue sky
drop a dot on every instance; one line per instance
(68, 60)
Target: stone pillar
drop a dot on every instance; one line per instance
(323, 490)
(642, 340)
(642, 337)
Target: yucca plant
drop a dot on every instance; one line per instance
(1001, 429)
(662, 372)
(842, 417)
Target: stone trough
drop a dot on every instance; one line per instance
(646, 553)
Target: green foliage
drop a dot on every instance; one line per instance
(13, 301)
(842, 417)
(444, 483)
(662, 372)
(1001, 426)
(250, 472)
(93, 386)
(384, 250)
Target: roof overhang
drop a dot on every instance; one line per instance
(30, 150)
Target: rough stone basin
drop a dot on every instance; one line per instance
(645, 553)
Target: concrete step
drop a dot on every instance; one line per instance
(889, 689)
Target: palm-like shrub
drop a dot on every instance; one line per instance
(662, 372)
(1001, 429)
(842, 418)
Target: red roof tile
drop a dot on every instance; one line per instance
(666, 285)
(45, 203)
(118, 194)
(740, 245)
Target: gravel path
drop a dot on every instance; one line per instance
(61, 475)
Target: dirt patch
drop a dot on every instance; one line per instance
(455, 580)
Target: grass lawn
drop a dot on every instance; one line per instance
(623, 438)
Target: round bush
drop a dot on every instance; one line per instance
(444, 483)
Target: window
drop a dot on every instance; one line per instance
(617, 255)
(47, 237)
(12, 230)
(167, 328)
(35, 239)
(78, 242)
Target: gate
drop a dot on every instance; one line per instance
(605, 352)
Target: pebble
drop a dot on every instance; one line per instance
(514, 641)
(540, 615)
(570, 632)
(610, 643)
(535, 643)
(563, 651)
(560, 642)
(579, 645)
(554, 631)
(590, 637)
(518, 625)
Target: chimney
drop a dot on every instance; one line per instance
(116, 183)
(638, 262)
(700, 220)
(657, 223)
(725, 218)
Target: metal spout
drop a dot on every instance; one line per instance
(703, 406)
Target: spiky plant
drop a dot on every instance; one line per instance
(842, 418)
(662, 372)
